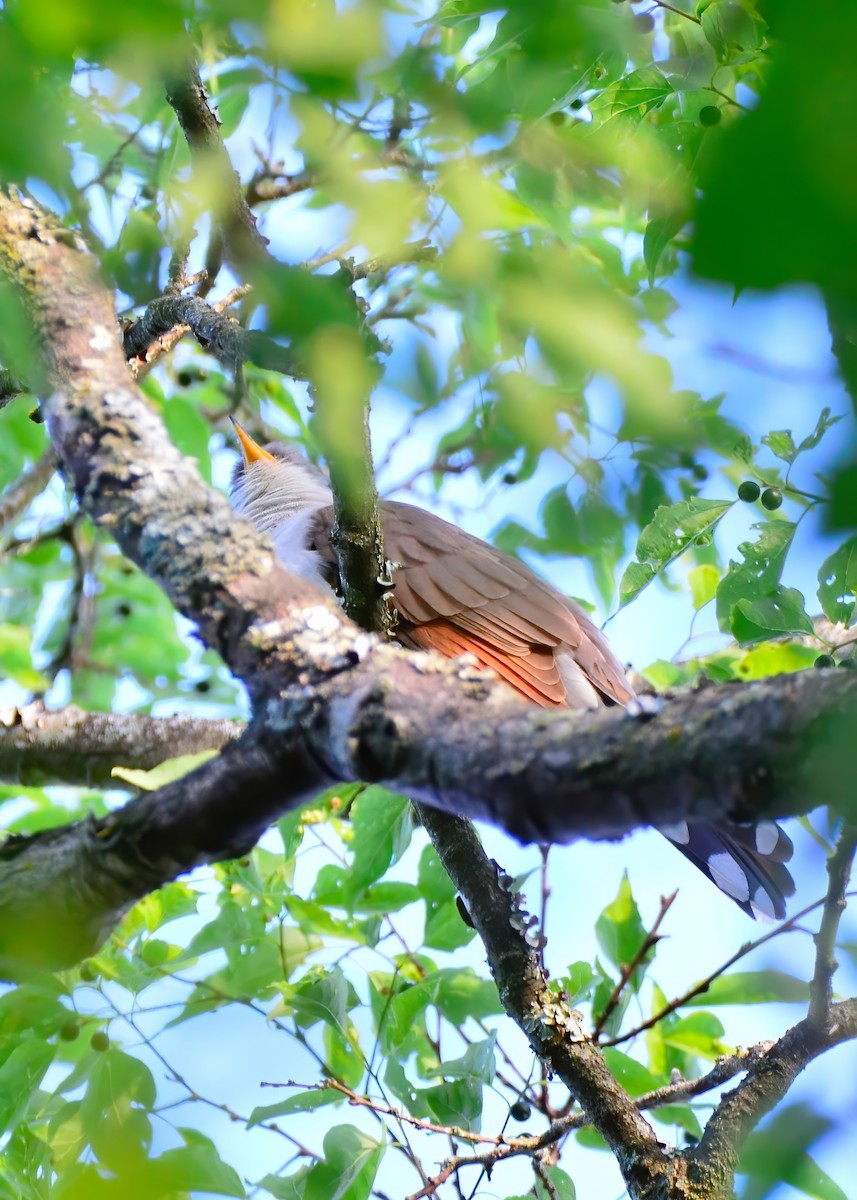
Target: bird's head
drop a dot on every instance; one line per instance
(274, 482)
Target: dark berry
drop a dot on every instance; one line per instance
(699, 472)
(749, 491)
(824, 660)
(69, 1030)
(202, 686)
(520, 1110)
(772, 499)
(123, 610)
(37, 416)
(99, 1041)
(184, 378)
(709, 115)
(576, 104)
(509, 478)
(644, 23)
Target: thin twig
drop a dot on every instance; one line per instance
(787, 926)
(31, 484)
(628, 969)
(677, 11)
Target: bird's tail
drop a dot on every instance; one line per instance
(745, 861)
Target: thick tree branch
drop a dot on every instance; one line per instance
(39, 747)
(63, 892)
(554, 1030)
(712, 1164)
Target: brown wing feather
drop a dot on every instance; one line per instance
(533, 674)
(456, 594)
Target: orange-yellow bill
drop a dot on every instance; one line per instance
(251, 450)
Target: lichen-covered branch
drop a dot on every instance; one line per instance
(71, 746)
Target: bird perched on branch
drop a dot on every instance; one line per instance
(457, 594)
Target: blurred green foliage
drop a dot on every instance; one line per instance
(561, 161)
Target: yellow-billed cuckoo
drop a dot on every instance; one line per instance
(456, 594)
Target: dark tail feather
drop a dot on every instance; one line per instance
(744, 861)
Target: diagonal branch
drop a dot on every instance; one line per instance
(712, 1163)
(62, 892)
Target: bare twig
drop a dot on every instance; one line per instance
(787, 926)
(628, 969)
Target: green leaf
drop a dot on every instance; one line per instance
(660, 231)
(636, 94)
(700, 1034)
(781, 612)
(753, 987)
(620, 930)
(751, 603)
(444, 927)
(20, 1075)
(477, 1063)
(561, 1185)
(703, 581)
(779, 1154)
(455, 1102)
(824, 422)
(116, 1079)
(579, 981)
(348, 1169)
(462, 993)
(166, 772)
(189, 431)
(307, 1101)
(673, 530)
(734, 30)
(319, 996)
(837, 583)
(780, 443)
(16, 661)
(633, 1076)
(383, 824)
(195, 1167)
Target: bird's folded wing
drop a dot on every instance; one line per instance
(457, 594)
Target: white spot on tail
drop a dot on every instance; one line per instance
(729, 876)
